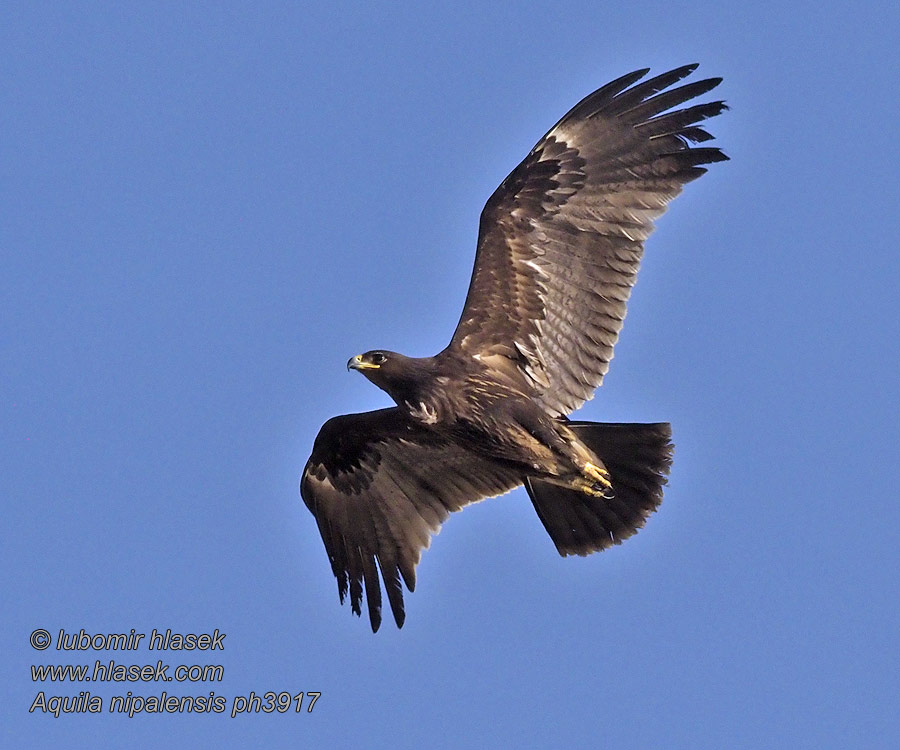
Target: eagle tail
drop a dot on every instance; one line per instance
(637, 457)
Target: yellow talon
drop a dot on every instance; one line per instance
(598, 473)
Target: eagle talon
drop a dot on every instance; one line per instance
(598, 490)
(599, 474)
(605, 492)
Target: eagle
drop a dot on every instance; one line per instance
(559, 245)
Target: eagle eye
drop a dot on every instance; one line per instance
(378, 358)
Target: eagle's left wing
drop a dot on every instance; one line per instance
(379, 487)
(561, 239)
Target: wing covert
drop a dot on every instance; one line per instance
(561, 239)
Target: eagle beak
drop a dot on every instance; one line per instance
(357, 363)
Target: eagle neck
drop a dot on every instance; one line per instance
(414, 383)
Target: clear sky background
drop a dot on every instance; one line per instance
(207, 208)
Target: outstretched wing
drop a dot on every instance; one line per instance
(379, 486)
(561, 239)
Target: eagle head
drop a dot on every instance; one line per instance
(401, 377)
(374, 360)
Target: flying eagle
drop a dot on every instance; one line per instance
(559, 245)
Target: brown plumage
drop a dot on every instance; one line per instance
(559, 246)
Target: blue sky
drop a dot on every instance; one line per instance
(206, 210)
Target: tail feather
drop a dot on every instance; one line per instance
(638, 457)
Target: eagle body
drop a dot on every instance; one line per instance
(559, 246)
(488, 409)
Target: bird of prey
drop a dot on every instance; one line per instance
(559, 245)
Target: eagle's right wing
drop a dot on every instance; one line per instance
(379, 486)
